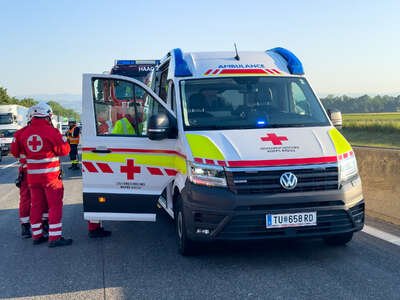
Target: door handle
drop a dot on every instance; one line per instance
(101, 151)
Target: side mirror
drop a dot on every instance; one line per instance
(336, 118)
(161, 126)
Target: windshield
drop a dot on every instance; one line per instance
(6, 119)
(249, 102)
(7, 133)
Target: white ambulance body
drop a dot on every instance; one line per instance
(234, 147)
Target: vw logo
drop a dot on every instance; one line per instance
(288, 181)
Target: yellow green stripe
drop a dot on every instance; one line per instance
(339, 141)
(203, 147)
(167, 161)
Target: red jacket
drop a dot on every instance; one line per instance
(17, 149)
(42, 144)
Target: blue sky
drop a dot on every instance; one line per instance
(345, 46)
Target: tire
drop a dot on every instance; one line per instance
(339, 239)
(186, 246)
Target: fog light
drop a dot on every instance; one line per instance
(102, 199)
(202, 231)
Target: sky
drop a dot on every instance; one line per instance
(346, 47)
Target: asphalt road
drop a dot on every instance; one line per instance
(140, 261)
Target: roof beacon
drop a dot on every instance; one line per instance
(293, 63)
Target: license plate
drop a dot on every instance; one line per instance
(291, 220)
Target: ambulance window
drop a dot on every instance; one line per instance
(299, 102)
(119, 107)
(173, 98)
(151, 107)
(162, 85)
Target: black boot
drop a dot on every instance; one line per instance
(40, 240)
(45, 228)
(99, 233)
(26, 231)
(60, 242)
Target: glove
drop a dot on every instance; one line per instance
(19, 179)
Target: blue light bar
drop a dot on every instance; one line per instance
(181, 67)
(125, 62)
(293, 63)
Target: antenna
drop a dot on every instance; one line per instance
(237, 54)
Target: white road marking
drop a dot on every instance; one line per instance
(8, 166)
(391, 238)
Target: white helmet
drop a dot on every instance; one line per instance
(29, 113)
(41, 110)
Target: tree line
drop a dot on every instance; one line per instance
(58, 109)
(362, 104)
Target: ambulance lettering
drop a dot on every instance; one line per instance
(145, 68)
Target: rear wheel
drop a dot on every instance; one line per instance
(185, 245)
(339, 239)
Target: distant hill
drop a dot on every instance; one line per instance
(71, 101)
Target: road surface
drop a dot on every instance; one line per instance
(140, 261)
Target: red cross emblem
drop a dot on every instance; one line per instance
(130, 169)
(35, 143)
(272, 137)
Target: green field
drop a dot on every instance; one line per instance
(372, 129)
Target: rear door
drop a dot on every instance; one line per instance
(124, 172)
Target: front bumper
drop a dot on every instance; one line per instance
(5, 149)
(219, 214)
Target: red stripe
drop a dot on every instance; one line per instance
(155, 171)
(210, 162)
(269, 71)
(90, 167)
(198, 160)
(171, 172)
(216, 71)
(282, 162)
(105, 168)
(242, 71)
(276, 71)
(208, 72)
(139, 151)
(222, 163)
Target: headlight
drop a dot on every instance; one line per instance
(348, 168)
(207, 175)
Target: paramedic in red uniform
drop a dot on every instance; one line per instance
(22, 184)
(42, 145)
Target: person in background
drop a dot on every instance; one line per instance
(42, 145)
(73, 135)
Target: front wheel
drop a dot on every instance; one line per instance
(185, 245)
(339, 239)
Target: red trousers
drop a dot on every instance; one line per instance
(25, 202)
(51, 195)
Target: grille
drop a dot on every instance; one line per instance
(254, 226)
(319, 178)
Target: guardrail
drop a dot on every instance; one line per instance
(380, 174)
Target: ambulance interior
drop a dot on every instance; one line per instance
(118, 99)
(249, 102)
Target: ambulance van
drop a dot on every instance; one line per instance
(234, 146)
